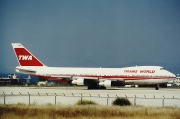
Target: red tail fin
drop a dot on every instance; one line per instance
(24, 57)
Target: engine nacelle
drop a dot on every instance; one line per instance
(78, 81)
(106, 83)
(109, 83)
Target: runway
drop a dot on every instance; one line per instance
(70, 95)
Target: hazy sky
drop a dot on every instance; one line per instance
(91, 33)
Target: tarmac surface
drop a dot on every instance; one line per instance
(70, 95)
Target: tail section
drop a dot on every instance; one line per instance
(24, 57)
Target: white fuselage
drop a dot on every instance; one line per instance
(131, 75)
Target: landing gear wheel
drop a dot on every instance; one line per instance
(157, 87)
(102, 87)
(92, 87)
(96, 87)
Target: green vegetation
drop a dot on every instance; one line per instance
(86, 112)
(121, 102)
(85, 102)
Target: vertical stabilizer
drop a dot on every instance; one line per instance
(24, 57)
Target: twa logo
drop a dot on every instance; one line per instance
(25, 57)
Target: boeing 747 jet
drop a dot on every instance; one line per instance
(94, 78)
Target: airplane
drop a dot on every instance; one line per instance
(94, 78)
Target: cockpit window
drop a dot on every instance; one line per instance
(162, 68)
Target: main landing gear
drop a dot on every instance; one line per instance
(96, 87)
(157, 87)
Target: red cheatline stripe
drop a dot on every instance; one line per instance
(109, 77)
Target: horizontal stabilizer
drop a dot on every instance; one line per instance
(22, 70)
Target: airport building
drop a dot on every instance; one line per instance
(175, 82)
(13, 79)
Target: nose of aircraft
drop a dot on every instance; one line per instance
(172, 75)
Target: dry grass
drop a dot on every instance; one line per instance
(90, 112)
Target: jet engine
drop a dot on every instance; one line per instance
(109, 83)
(78, 81)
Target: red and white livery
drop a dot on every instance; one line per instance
(94, 78)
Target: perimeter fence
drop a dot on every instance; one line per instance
(72, 98)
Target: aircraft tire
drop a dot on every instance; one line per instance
(102, 87)
(96, 87)
(157, 87)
